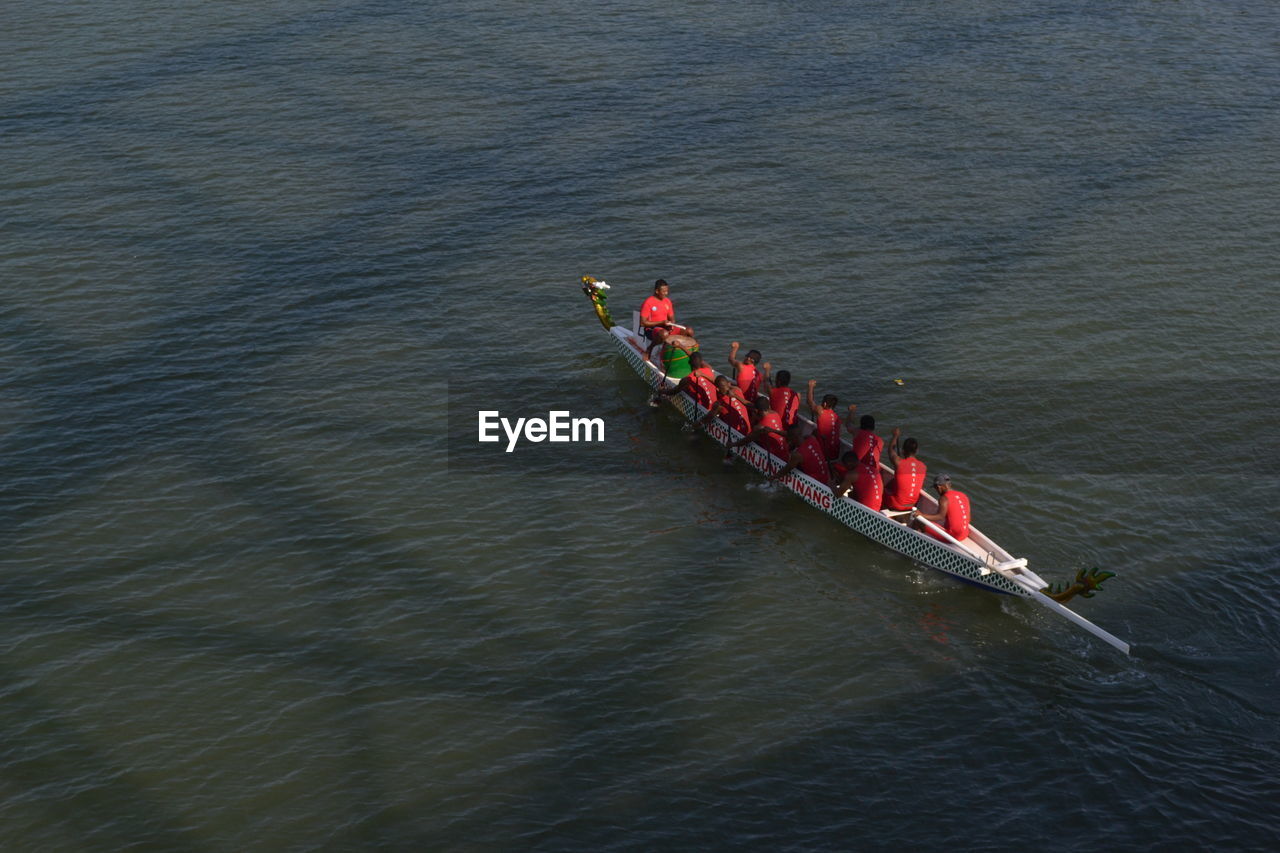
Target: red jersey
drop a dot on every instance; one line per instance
(957, 523)
(868, 489)
(958, 514)
(829, 432)
(749, 381)
(707, 372)
(904, 488)
(735, 413)
(700, 388)
(864, 440)
(655, 310)
(786, 403)
(813, 461)
(772, 442)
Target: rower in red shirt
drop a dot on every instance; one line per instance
(768, 433)
(730, 406)
(699, 384)
(746, 373)
(953, 513)
(903, 488)
(783, 399)
(701, 367)
(657, 311)
(846, 464)
(808, 456)
(864, 479)
(827, 421)
(864, 437)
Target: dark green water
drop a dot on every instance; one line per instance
(256, 256)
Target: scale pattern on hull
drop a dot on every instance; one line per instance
(871, 524)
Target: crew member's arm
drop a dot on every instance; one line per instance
(766, 385)
(683, 385)
(746, 439)
(732, 356)
(716, 408)
(791, 465)
(848, 419)
(893, 448)
(813, 407)
(938, 516)
(757, 433)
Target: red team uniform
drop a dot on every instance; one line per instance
(734, 413)
(868, 489)
(749, 381)
(829, 432)
(864, 440)
(700, 387)
(813, 459)
(657, 310)
(786, 403)
(957, 523)
(904, 488)
(772, 442)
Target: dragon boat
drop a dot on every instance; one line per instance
(976, 559)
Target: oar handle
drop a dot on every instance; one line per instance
(947, 536)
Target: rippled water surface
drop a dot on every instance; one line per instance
(256, 256)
